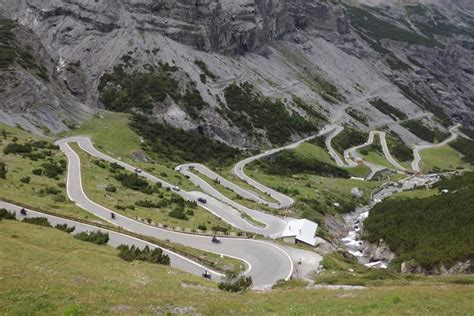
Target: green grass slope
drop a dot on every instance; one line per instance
(46, 272)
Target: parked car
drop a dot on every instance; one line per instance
(138, 170)
(202, 200)
(176, 188)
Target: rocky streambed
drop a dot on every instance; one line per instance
(371, 255)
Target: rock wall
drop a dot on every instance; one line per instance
(225, 26)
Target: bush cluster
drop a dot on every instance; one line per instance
(172, 144)
(5, 214)
(348, 138)
(388, 110)
(288, 163)
(420, 100)
(3, 170)
(134, 182)
(433, 230)
(379, 29)
(234, 282)
(40, 221)
(249, 111)
(65, 228)
(178, 213)
(121, 91)
(155, 256)
(166, 202)
(423, 132)
(398, 148)
(464, 146)
(96, 237)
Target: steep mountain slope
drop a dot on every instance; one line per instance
(324, 60)
(30, 91)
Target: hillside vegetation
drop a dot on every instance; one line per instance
(423, 132)
(33, 171)
(250, 110)
(173, 144)
(431, 231)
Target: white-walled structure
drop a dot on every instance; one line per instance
(301, 230)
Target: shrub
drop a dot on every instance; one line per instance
(234, 282)
(420, 130)
(388, 110)
(125, 92)
(178, 213)
(249, 111)
(111, 188)
(96, 237)
(288, 163)
(155, 256)
(25, 180)
(54, 169)
(52, 190)
(379, 29)
(134, 182)
(15, 148)
(466, 148)
(37, 171)
(5, 214)
(348, 138)
(206, 72)
(65, 228)
(59, 198)
(398, 148)
(202, 227)
(114, 167)
(3, 170)
(40, 221)
(219, 228)
(172, 144)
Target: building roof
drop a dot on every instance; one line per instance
(302, 229)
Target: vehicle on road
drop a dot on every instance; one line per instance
(176, 188)
(112, 215)
(138, 170)
(202, 200)
(178, 168)
(206, 275)
(216, 240)
(23, 212)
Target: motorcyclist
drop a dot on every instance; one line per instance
(23, 212)
(112, 215)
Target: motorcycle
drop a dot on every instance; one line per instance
(206, 275)
(112, 215)
(215, 240)
(23, 212)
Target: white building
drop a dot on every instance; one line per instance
(300, 230)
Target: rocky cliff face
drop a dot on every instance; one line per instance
(320, 51)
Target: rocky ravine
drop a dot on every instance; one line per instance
(284, 48)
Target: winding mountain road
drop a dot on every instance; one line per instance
(351, 153)
(283, 201)
(415, 165)
(267, 262)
